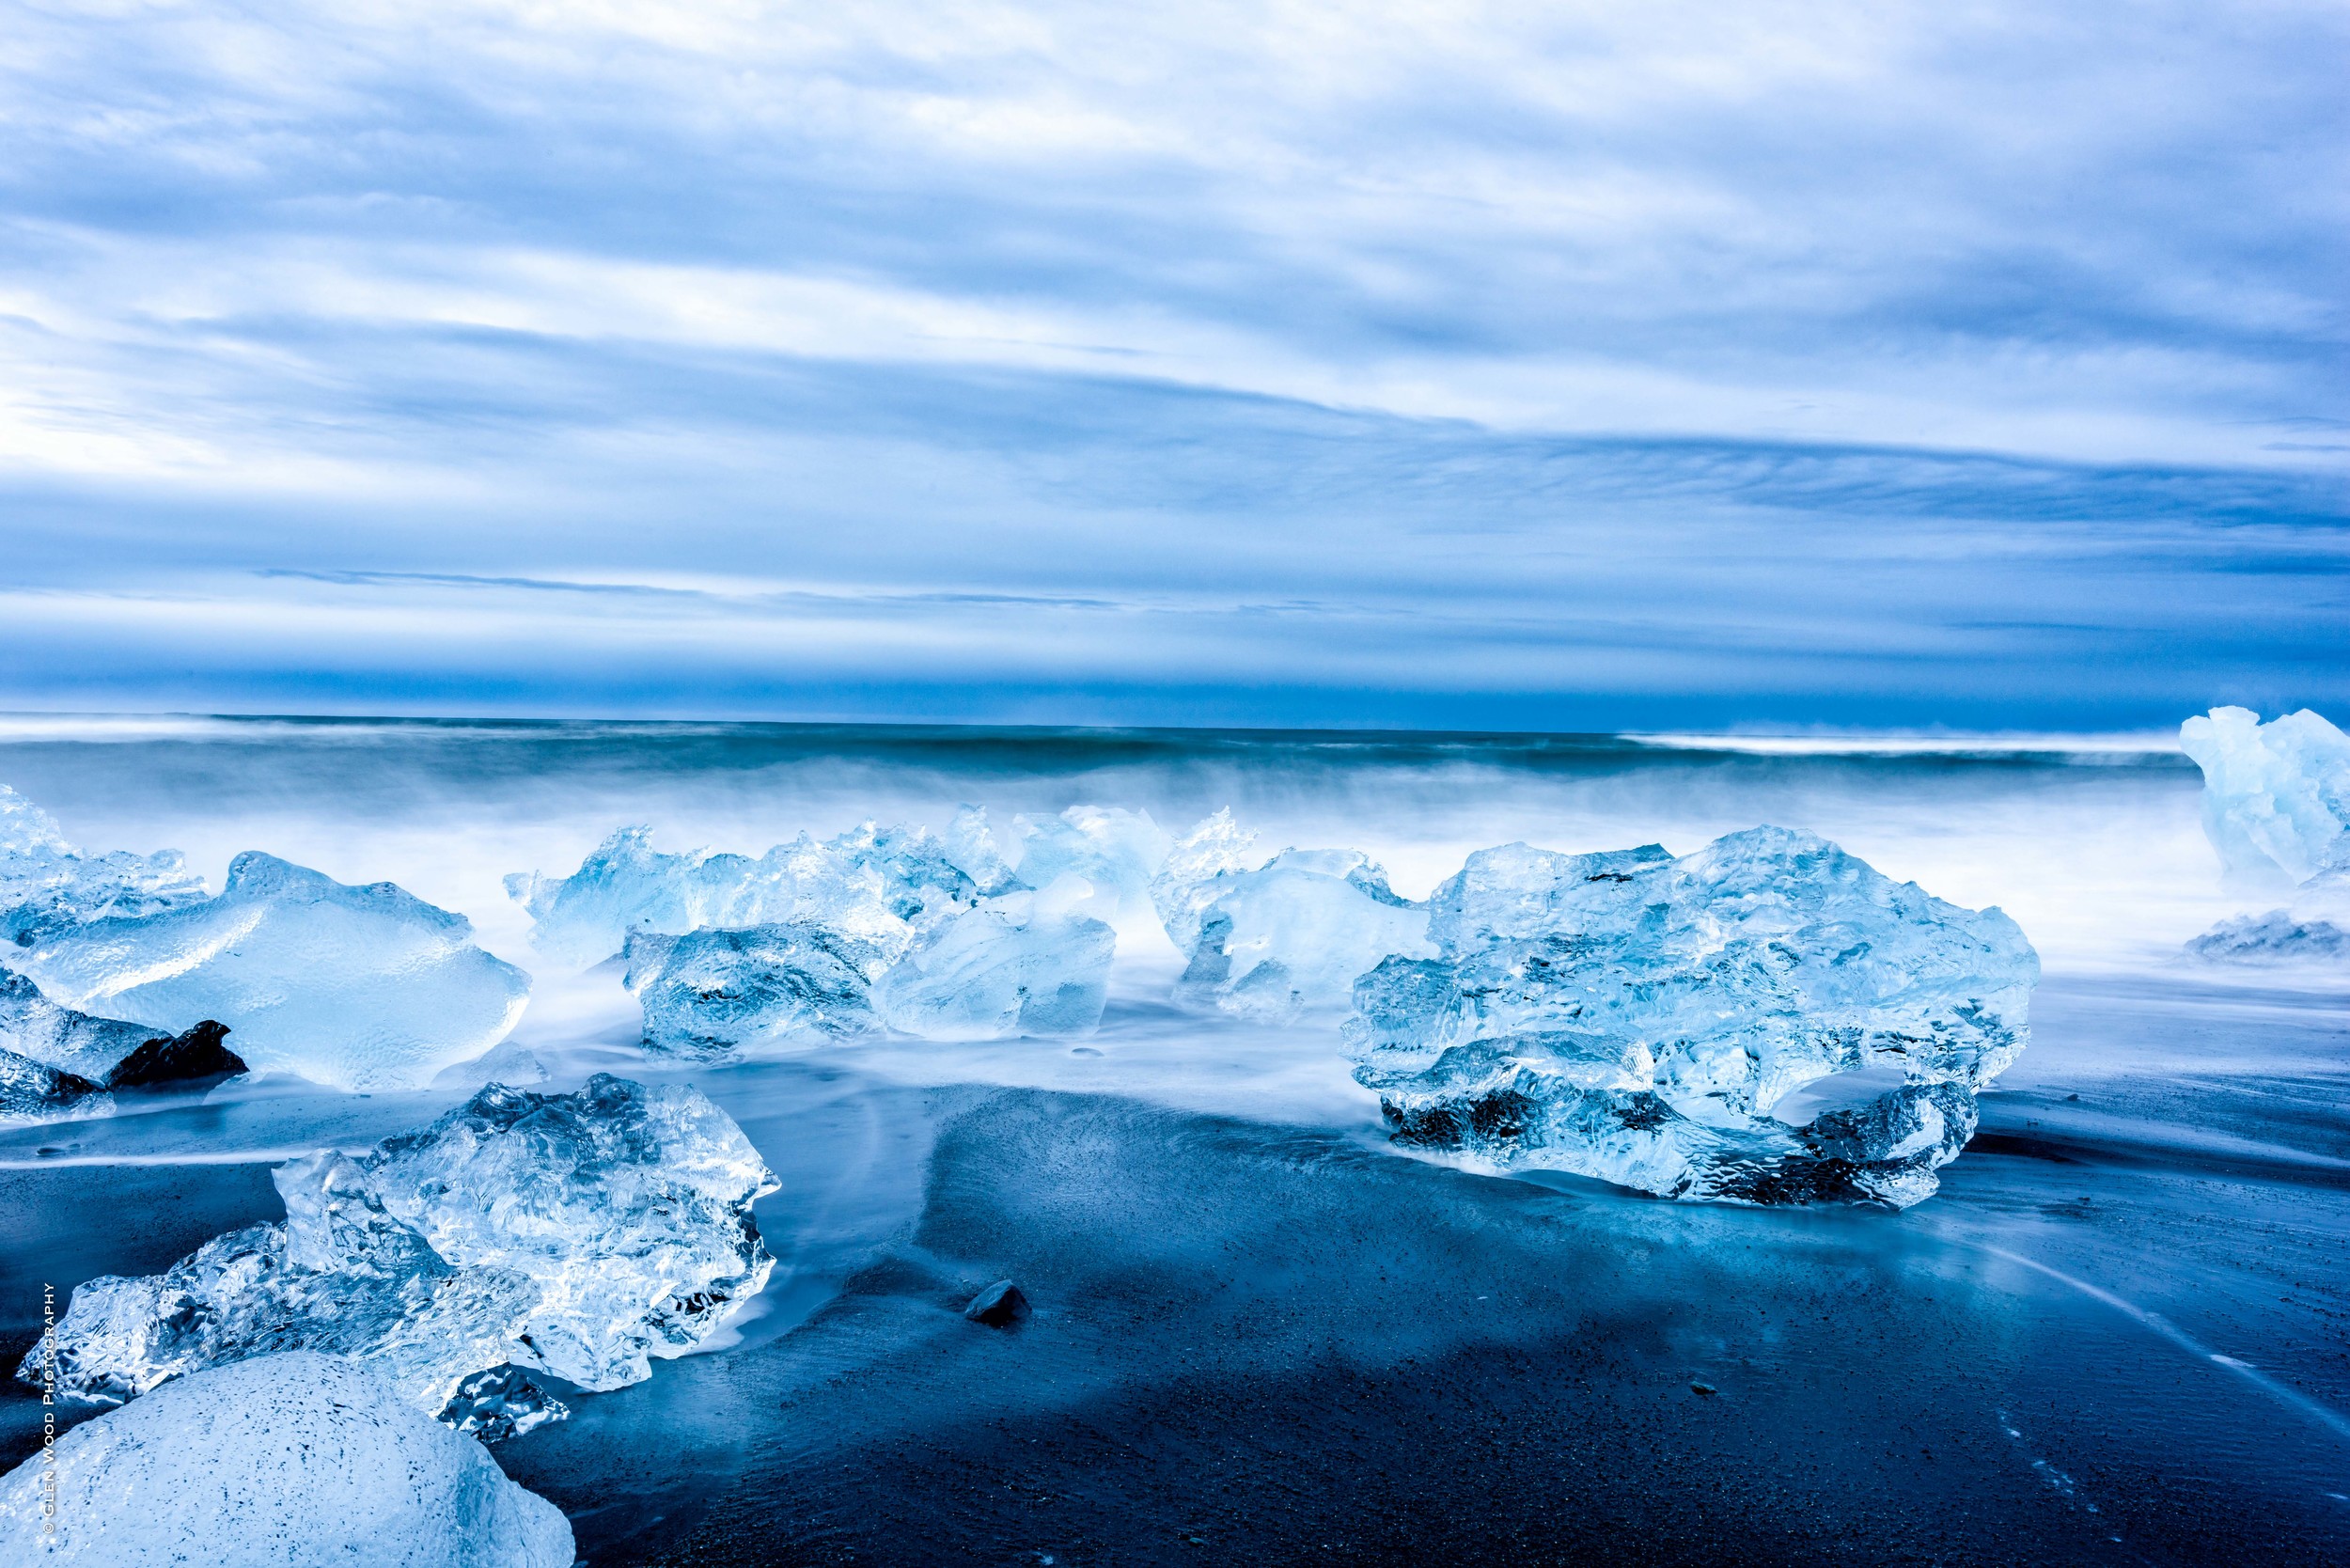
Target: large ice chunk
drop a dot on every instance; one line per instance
(2276, 795)
(1200, 865)
(46, 885)
(716, 993)
(1114, 852)
(358, 988)
(297, 1460)
(881, 885)
(1015, 965)
(577, 1234)
(1768, 1019)
(1292, 936)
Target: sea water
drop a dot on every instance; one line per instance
(2118, 1330)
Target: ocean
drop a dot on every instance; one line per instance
(1264, 1333)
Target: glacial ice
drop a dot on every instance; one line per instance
(358, 988)
(1115, 851)
(715, 992)
(2276, 795)
(46, 885)
(56, 1063)
(575, 1234)
(881, 885)
(1644, 1019)
(297, 1460)
(1018, 964)
(1289, 938)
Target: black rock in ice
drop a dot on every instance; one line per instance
(179, 1060)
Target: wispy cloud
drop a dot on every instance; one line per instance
(1279, 361)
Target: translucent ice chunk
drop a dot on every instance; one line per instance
(1199, 866)
(882, 886)
(33, 1091)
(709, 993)
(971, 848)
(1292, 936)
(297, 1460)
(46, 885)
(1015, 966)
(1646, 1020)
(577, 1234)
(359, 988)
(32, 1025)
(1115, 851)
(2276, 795)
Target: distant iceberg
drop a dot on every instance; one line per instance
(576, 1234)
(2276, 795)
(1768, 1020)
(298, 1460)
(358, 988)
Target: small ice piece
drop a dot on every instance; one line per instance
(1653, 1022)
(2276, 795)
(1292, 936)
(56, 1063)
(356, 988)
(575, 1234)
(1015, 965)
(1200, 866)
(297, 1460)
(1115, 851)
(714, 992)
(2276, 937)
(882, 885)
(500, 1404)
(47, 886)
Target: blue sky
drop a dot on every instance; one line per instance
(1570, 366)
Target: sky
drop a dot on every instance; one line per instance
(1451, 366)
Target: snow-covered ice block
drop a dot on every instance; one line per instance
(577, 1234)
(1115, 851)
(713, 993)
(2276, 795)
(882, 886)
(297, 1460)
(358, 988)
(46, 885)
(1015, 966)
(1658, 1023)
(1293, 936)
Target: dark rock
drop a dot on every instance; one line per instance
(999, 1306)
(187, 1060)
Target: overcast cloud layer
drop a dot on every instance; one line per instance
(1579, 365)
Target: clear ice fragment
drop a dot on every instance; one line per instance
(1115, 851)
(46, 885)
(576, 1234)
(881, 885)
(2276, 795)
(358, 988)
(714, 992)
(297, 1460)
(1015, 966)
(1290, 937)
(1647, 1020)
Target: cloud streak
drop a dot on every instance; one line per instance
(1279, 362)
